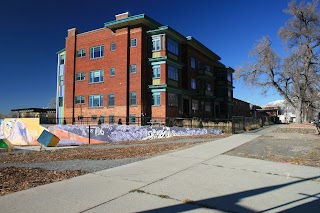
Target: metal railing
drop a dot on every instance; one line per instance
(237, 124)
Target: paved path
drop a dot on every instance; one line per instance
(198, 179)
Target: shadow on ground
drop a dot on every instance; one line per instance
(229, 203)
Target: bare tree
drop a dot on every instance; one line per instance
(297, 76)
(52, 103)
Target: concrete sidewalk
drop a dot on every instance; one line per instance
(199, 179)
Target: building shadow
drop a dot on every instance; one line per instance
(230, 202)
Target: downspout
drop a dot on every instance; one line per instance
(128, 77)
(74, 76)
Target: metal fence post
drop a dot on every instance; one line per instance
(89, 134)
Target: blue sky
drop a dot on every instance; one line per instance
(33, 31)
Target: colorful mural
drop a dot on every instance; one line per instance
(78, 134)
(26, 131)
(21, 131)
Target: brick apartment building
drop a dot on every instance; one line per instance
(134, 67)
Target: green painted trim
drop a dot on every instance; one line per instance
(164, 59)
(158, 86)
(60, 51)
(132, 20)
(158, 90)
(158, 63)
(200, 46)
(158, 59)
(176, 64)
(168, 30)
(175, 90)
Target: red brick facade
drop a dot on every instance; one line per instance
(142, 82)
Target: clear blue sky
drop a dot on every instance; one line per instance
(33, 31)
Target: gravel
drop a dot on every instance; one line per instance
(84, 165)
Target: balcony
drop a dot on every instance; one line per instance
(204, 71)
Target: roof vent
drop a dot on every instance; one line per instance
(122, 16)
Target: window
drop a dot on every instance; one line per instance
(95, 101)
(208, 68)
(229, 77)
(156, 44)
(110, 100)
(94, 117)
(208, 107)
(230, 93)
(173, 73)
(172, 99)
(133, 68)
(193, 84)
(132, 118)
(209, 87)
(80, 76)
(79, 100)
(133, 99)
(113, 46)
(156, 72)
(101, 119)
(112, 71)
(194, 104)
(96, 52)
(60, 101)
(156, 99)
(111, 119)
(173, 46)
(61, 80)
(61, 58)
(81, 53)
(133, 42)
(96, 76)
(193, 63)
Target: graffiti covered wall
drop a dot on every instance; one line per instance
(79, 134)
(21, 131)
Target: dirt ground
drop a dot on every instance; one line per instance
(13, 179)
(296, 144)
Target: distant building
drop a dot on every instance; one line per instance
(241, 108)
(34, 113)
(134, 67)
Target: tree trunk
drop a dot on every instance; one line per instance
(298, 110)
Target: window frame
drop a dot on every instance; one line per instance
(111, 96)
(156, 99)
(173, 46)
(81, 75)
(135, 68)
(81, 101)
(173, 99)
(111, 119)
(133, 96)
(193, 83)
(155, 40)
(81, 52)
(101, 77)
(91, 101)
(60, 101)
(195, 104)
(112, 71)
(156, 69)
(193, 63)
(173, 73)
(133, 41)
(113, 46)
(132, 118)
(92, 52)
